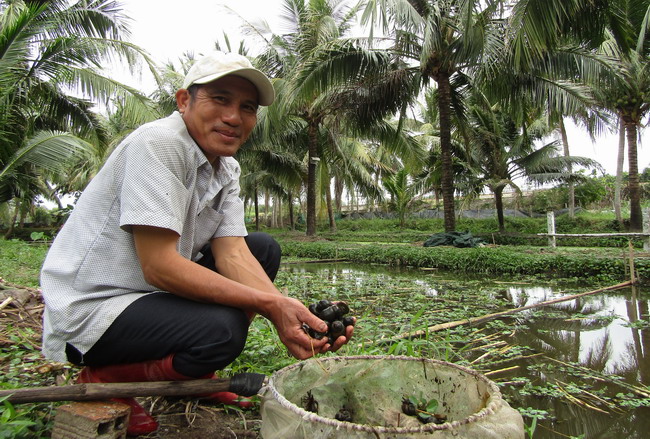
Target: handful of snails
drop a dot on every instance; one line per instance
(334, 314)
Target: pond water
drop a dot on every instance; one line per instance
(582, 365)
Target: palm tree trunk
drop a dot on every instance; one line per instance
(447, 180)
(498, 204)
(636, 217)
(330, 210)
(13, 219)
(312, 159)
(267, 217)
(257, 211)
(274, 212)
(572, 189)
(377, 202)
(338, 194)
(53, 194)
(292, 223)
(618, 183)
(23, 217)
(642, 354)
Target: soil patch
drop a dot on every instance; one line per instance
(192, 419)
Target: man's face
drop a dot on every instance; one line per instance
(221, 115)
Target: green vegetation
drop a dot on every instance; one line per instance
(589, 264)
(21, 262)
(386, 303)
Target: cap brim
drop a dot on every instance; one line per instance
(265, 90)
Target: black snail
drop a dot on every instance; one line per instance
(334, 315)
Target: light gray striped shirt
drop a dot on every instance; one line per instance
(158, 176)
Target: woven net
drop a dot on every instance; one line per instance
(370, 389)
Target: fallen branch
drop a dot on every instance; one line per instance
(488, 317)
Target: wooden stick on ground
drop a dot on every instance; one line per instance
(245, 384)
(487, 317)
(99, 391)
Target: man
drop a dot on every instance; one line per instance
(153, 277)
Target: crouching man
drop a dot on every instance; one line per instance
(154, 277)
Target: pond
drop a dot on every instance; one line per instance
(575, 369)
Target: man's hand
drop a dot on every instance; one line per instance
(288, 316)
(339, 342)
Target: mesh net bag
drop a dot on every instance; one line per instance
(371, 390)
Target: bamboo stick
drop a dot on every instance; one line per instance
(6, 302)
(507, 369)
(317, 261)
(596, 235)
(644, 392)
(508, 360)
(632, 269)
(488, 317)
(596, 397)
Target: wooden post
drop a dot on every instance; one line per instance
(550, 225)
(646, 229)
(632, 269)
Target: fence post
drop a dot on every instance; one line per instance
(550, 225)
(646, 229)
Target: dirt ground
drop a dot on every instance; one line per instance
(192, 419)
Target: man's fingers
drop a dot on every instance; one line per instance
(314, 322)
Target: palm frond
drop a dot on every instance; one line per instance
(47, 150)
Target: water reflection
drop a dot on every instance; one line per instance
(601, 332)
(608, 333)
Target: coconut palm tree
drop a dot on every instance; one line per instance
(504, 152)
(426, 131)
(50, 52)
(627, 92)
(271, 168)
(619, 28)
(324, 88)
(440, 40)
(403, 194)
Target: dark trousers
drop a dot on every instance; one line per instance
(203, 337)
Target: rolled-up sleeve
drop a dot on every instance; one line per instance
(231, 207)
(155, 196)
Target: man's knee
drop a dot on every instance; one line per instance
(224, 351)
(217, 351)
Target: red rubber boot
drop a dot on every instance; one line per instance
(228, 398)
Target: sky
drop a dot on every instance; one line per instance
(169, 28)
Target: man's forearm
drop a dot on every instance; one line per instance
(164, 268)
(241, 266)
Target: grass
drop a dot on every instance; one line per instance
(21, 261)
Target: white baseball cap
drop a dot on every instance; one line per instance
(219, 64)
